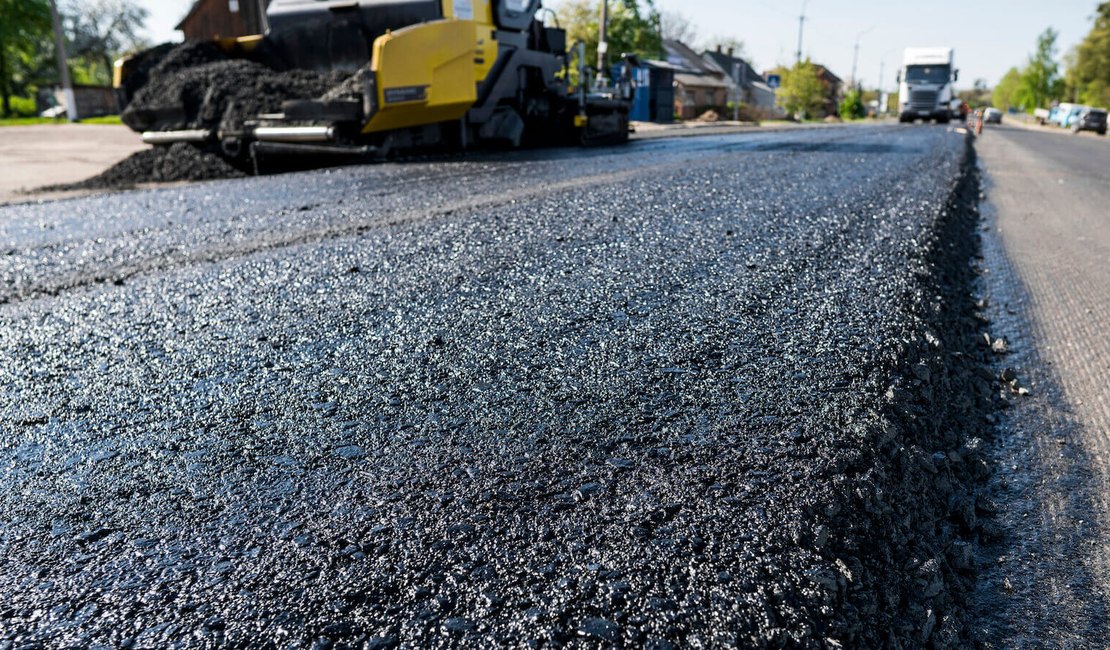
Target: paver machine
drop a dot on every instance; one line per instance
(425, 73)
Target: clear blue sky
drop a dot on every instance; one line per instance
(990, 36)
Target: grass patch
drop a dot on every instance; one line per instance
(104, 119)
(25, 121)
(28, 121)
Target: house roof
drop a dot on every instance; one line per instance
(724, 62)
(662, 65)
(827, 74)
(680, 54)
(691, 80)
(192, 11)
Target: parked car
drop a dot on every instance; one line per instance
(1090, 119)
(1064, 114)
(992, 116)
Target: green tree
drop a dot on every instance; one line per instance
(1040, 80)
(632, 29)
(23, 26)
(1004, 94)
(98, 32)
(851, 108)
(802, 94)
(1088, 76)
(677, 27)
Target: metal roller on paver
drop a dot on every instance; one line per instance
(425, 74)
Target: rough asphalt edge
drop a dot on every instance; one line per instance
(931, 446)
(1037, 584)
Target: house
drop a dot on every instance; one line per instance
(92, 101)
(833, 88)
(750, 88)
(699, 85)
(224, 19)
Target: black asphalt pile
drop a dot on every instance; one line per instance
(180, 161)
(214, 90)
(350, 88)
(709, 392)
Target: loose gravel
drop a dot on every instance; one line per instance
(710, 392)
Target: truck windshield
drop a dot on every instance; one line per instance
(927, 74)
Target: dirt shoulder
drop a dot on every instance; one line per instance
(47, 154)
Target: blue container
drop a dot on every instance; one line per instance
(654, 98)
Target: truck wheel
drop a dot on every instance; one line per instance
(943, 120)
(1102, 132)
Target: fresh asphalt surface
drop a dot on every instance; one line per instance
(612, 396)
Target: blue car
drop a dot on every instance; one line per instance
(1064, 114)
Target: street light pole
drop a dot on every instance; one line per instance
(801, 24)
(63, 69)
(855, 56)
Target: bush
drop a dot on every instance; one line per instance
(23, 107)
(852, 107)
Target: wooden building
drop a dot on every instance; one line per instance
(224, 18)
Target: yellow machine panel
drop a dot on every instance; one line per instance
(427, 73)
(481, 12)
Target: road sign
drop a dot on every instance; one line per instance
(774, 80)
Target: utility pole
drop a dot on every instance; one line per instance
(602, 43)
(63, 69)
(855, 56)
(801, 24)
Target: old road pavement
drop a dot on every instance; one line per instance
(1047, 255)
(712, 391)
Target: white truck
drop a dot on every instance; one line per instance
(926, 84)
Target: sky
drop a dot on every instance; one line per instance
(989, 36)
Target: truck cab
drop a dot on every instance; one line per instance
(926, 85)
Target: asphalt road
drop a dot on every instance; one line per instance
(692, 392)
(1047, 194)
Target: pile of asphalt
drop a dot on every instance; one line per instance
(213, 91)
(216, 91)
(180, 161)
(742, 407)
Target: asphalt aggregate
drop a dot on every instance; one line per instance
(702, 392)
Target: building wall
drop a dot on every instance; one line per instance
(92, 101)
(223, 19)
(692, 101)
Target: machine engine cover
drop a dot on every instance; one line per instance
(338, 34)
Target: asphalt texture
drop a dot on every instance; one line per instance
(709, 391)
(1047, 583)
